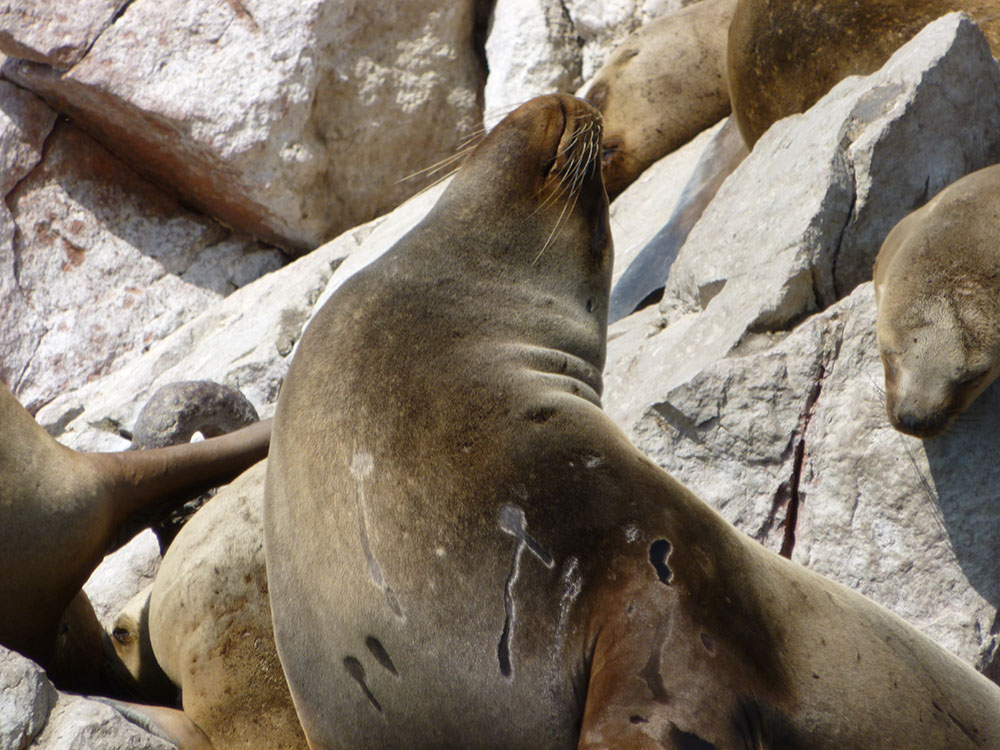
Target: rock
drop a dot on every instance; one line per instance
(80, 724)
(26, 698)
(243, 341)
(801, 219)
(531, 50)
(56, 35)
(779, 423)
(179, 410)
(103, 263)
(121, 575)
(289, 122)
(770, 247)
(913, 524)
(25, 123)
(605, 24)
(638, 213)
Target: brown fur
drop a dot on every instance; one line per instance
(784, 55)
(661, 87)
(210, 625)
(464, 551)
(60, 511)
(937, 285)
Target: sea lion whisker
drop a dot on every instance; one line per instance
(444, 163)
(568, 206)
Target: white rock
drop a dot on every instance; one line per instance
(785, 433)
(801, 219)
(604, 24)
(244, 341)
(913, 524)
(289, 121)
(80, 724)
(122, 575)
(531, 50)
(768, 248)
(102, 264)
(58, 34)
(26, 697)
(639, 212)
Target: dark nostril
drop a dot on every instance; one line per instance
(921, 426)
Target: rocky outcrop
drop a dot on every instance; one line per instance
(289, 122)
(780, 424)
(757, 383)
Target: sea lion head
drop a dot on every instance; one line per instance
(937, 330)
(533, 187)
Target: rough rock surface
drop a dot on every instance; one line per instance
(783, 432)
(26, 698)
(56, 34)
(103, 264)
(531, 50)
(122, 575)
(289, 121)
(244, 341)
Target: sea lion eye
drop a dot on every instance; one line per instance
(122, 635)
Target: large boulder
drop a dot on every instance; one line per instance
(103, 263)
(288, 121)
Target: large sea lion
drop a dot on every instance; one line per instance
(210, 625)
(661, 87)
(60, 510)
(784, 55)
(464, 551)
(937, 287)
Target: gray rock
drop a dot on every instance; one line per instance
(801, 219)
(121, 575)
(26, 698)
(80, 724)
(102, 263)
(780, 424)
(531, 50)
(55, 34)
(243, 341)
(291, 122)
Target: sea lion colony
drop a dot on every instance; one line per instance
(580, 594)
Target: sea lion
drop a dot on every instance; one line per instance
(210, 624)
(61, 509)
(784, 55)
(661, 87)
(937, 287)
(130, 640)
(464, 551)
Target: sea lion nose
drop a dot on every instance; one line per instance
(920, 425)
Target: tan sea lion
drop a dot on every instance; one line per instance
(784, 55)
(661, 87)
(61, 509)
(131, 642)
(210, 624)
(937, 287)
(464, 551)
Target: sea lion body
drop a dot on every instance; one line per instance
(937, 287)
(661, 87)
(464, 551)
(60, 510)
(784, 55)
(209, 624)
